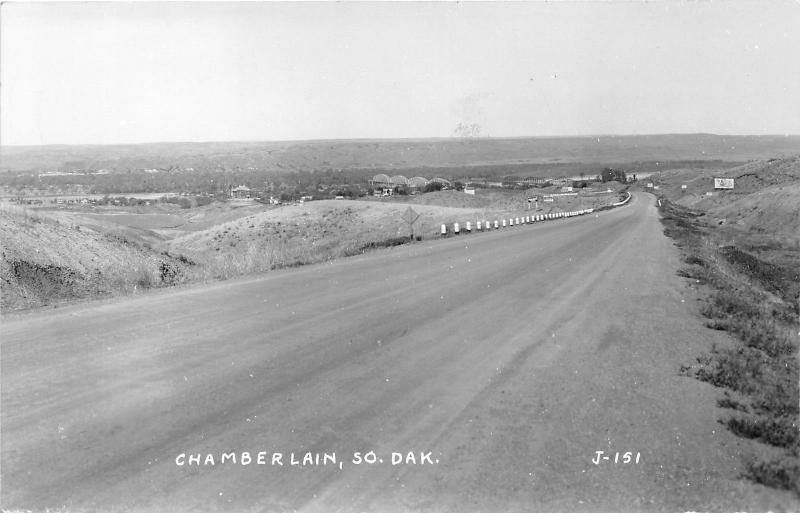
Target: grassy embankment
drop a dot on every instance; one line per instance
(319, 231)
(757, 302)
(51, 256)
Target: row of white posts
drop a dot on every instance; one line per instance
(487, 225)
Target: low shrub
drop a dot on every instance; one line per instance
(733, 404)
(739, 370)
(780, 432)
(44, 283)
(782, 473)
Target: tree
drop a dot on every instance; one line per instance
(610, 174)
(432, 186)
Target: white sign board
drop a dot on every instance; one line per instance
(723, 183)
(650, 185)
(683, 187)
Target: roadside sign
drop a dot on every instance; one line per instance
(723, 183)
(683, 187)
(410, 217)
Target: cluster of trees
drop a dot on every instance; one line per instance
(183, 201)
(611, 175)
(291, 184)
(433, 187)
(286, 184)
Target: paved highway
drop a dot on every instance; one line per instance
(502, 361)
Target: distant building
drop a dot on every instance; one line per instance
(240, 192)
(380, 181)
(533, 180)
(417, 183)
(384, 182)
(399, 181)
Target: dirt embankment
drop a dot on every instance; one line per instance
(45, 261)
(763, 205)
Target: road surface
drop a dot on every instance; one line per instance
(502, 362)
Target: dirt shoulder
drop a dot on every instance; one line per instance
(748, 279)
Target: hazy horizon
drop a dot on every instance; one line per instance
(388, 139)
(114, 73)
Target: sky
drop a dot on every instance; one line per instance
(132, 72)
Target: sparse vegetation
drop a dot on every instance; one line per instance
(782, 473)
(780, 432)
(46, 262)
(756, 302)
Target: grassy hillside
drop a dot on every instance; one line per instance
(321, 230)
(763, 205)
